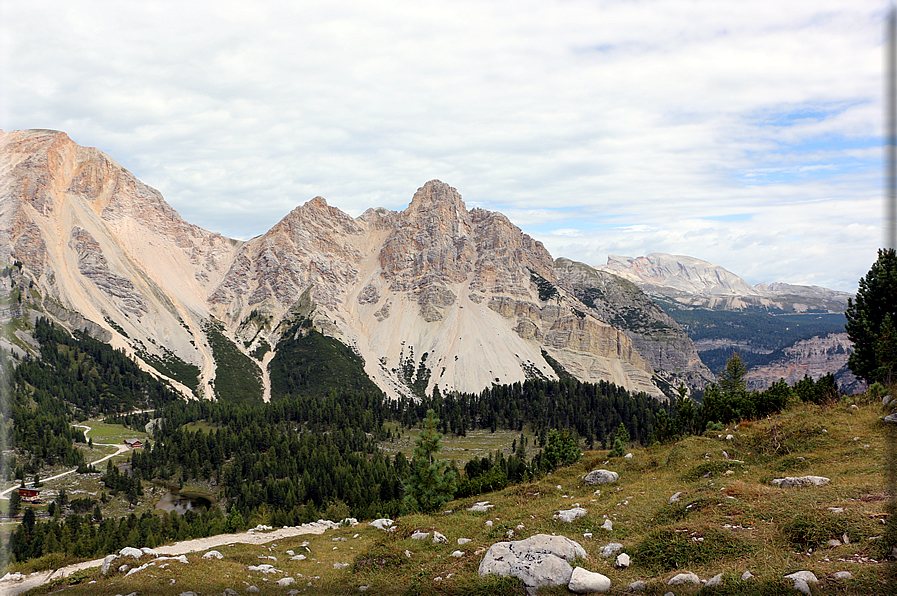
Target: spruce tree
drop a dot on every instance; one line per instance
(432, 482)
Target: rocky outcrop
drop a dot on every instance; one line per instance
(540, 560)
(814, 357)
(654, 334)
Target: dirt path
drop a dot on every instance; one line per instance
(120, 449)
(11, 588)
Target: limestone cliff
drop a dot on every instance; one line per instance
(656, 336)
(814, 357)
(462, 295)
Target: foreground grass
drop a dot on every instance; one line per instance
(729, 520)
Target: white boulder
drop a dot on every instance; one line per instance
(791, 481)
(569, 515)
(382, 523)
(585, 582)
(213, 554)
(601, 477)
(684, 578)
(540, 560)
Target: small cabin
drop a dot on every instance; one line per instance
(29, 495)
(134, 443)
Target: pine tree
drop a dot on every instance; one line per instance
(432, 482)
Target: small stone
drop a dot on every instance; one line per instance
(627, 456)
(458, 554)
(439, 538)
(462, 541)
(607, 525)
(408, 553)
(229, 592)
(675, 498)
(622, 561)
(716, 580)
(836, 509)
(746, 576)
(488, 523)
(790, 481)
(684, 578)
(252, 590)
(585, 582)
(730, 437)
(807, 576)
(418, 535)
(480, 506)
(285, 581)
(587, 535)
(569, 515)
(107, 562)
(844, 538)
(833, 543)
(843, 575)
(384, 523)
(188, 593)
(213, 554)
(131, 552)
(637, 587)
(802, 586)
(340, 565)
(609, 550)
(601, 477)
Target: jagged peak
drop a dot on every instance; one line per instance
(437, 195)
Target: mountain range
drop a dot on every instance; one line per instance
(435, 295)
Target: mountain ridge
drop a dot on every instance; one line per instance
(458, 292)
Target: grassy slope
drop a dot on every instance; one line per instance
(745, 523)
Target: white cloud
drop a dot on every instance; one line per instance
(659, 113)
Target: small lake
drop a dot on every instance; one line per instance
(183, 501)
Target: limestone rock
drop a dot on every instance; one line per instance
(418, 535)
(131, 552)
(609, 550)
(716, 580)
(584, 582)
(684, 578)
(570, 515)
(607, 525)
(843, 575)
(746, 576)
(107, 562)
(481, 506)
(600, 477)
(439, 538)
(675, 498)
(791, 481)
(213, 554)
(622, 561)
(382, 523)
(637, 587)
(540, 560)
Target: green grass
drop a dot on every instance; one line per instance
(237, 376)
(101, 432)
(724, 523)
(477, 443)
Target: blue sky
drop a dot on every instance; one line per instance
(746, 134)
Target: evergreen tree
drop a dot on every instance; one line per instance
(871, 320)
(621, 440)
(432, 482)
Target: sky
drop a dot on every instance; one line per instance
(747, 134)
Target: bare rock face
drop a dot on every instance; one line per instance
(656, 336)
(461, 297)
(814, 357)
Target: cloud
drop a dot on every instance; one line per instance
(669, 116)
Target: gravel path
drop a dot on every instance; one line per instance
(11, 588)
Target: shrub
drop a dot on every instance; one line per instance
(670, 548)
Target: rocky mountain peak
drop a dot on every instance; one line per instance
(436, 198)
